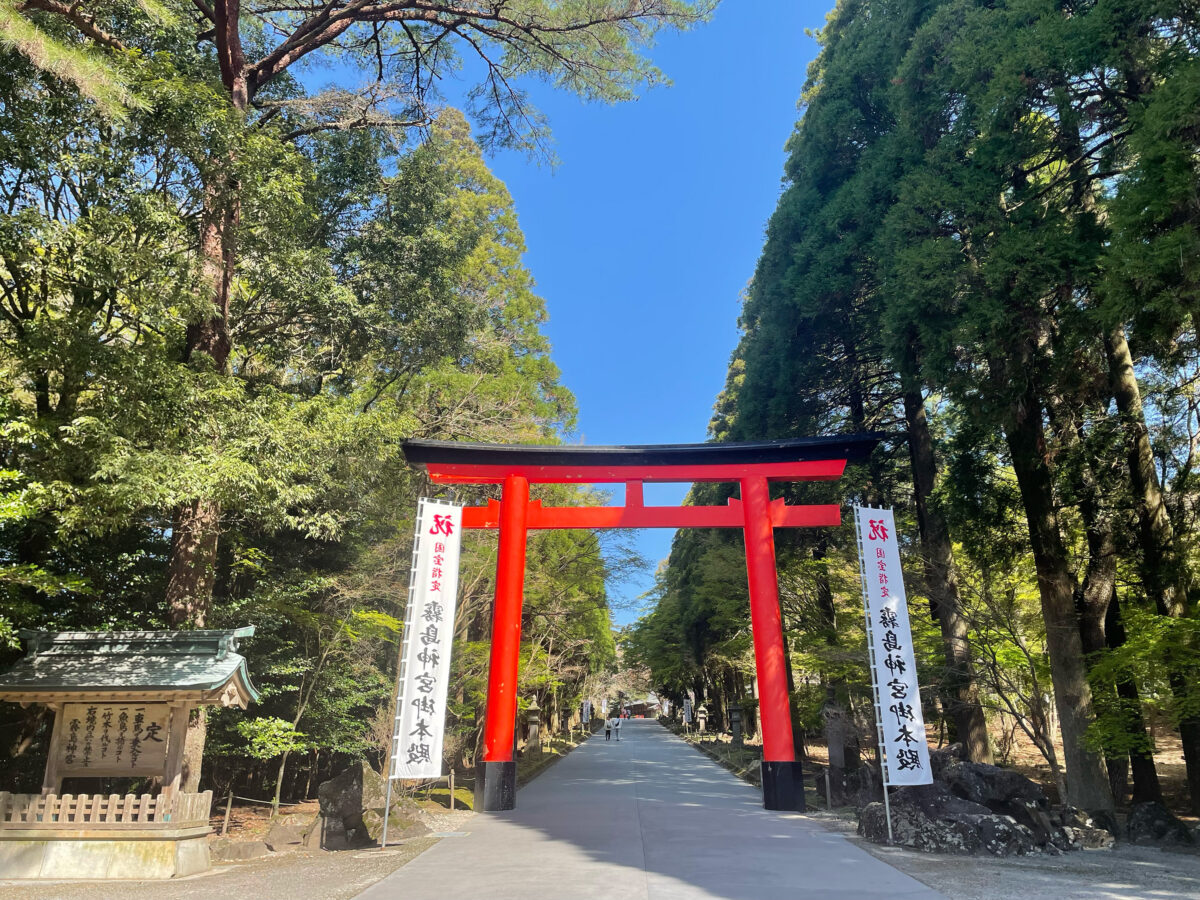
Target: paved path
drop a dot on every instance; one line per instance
(648, 818)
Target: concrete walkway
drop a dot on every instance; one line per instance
(648, 818)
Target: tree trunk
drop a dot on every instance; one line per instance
(959, 690)
(1098, 587)
(279, 782)
(1098, 590)
(1146, 787)
(196, 525)
(313, 762)
(218, 253)
(839, 728)
(1087, 782)
(192, 566)
(1164, 571)
(193, 751)
(191, 573)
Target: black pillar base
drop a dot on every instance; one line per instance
(495, 786)
(783, 786)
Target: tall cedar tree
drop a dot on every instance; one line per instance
(590, 47)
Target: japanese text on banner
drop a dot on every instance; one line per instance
(428, 637)
(906, 752)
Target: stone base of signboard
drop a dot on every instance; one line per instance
(783, 785)
(496, 786)
(29, 853)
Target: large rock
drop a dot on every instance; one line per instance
(942, 755)
(978, 808)
(1004, 836)
(1153, 823)
(374, 793)
(990, 785)
(341, 797)
(352, 805)
(934, 800)
(405, 822)
(929, 817)
(1035, 817)
(973, 807)
(910, 828)
(859, 787)
(327, 834)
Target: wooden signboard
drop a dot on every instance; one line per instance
(113, 739)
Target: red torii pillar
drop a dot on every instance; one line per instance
(752, 465)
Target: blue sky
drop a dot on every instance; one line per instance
(644, 236)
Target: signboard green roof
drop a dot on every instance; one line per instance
(76, 665)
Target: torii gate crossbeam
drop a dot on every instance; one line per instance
(753, 466)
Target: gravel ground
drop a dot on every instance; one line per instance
(1123, 873)
(287, 876)
(321, 876)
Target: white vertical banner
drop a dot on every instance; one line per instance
(889, 637)
(420, 723)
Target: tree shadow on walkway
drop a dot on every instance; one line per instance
(646, 817)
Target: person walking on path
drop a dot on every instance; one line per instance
(617, 728)
(608, 730)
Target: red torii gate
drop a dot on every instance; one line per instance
(752, 465)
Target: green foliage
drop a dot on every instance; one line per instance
(977, 195)
(380, 295)
(90, 72)
(268, 738)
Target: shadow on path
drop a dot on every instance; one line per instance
(646, 818)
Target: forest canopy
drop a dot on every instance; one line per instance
(227, 295)
(986, 245)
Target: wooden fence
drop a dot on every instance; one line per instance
(100, 811)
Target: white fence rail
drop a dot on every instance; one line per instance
(103, 811)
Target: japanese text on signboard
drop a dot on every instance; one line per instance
(113, 738)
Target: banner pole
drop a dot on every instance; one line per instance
(862, 571)
(401, 666)
(387, 807)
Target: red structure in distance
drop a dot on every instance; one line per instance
(753, 466)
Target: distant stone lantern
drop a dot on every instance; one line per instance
(702, 716)
(735, 724)
(535, 724)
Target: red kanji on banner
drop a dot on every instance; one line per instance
(878, 530)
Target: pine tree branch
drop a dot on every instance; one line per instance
(73, 14)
